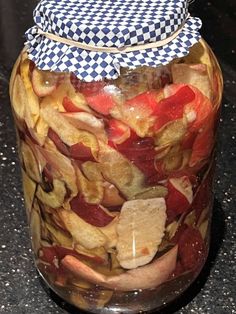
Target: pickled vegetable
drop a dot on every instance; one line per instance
(117, 175)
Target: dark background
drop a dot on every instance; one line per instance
(21, 290)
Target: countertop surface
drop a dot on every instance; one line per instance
(21, 290)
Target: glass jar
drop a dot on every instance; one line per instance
(117, 178)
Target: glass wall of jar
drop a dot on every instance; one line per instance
(117, 178)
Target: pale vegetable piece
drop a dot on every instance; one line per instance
(103, 298)
(19, 97)
(42, 160)
(190, 219)
(146, 277)
(136, 117)
(82, 232)
(66, 89)
(41, 131)
(162, 152)
(82, 299)
(32, 109)
(92, 190)
(30, 162)
(24, 54)
(173, 160)
(97, 255)
(203, 228)
(185, 158)
(115, 265)
(56, 197)
(35, 227)
(140, 231)
(120, 171)
(203, 216)
(88, 122)
(91, 171)
(172, 228)
(80, 283)
(58, 236)
(45, 235)
(29, 187)
(55, 218)
(77, 98)
(111, 195)
(171, 133)
(58, 95)
(195, 75)
(45, 243)
(110, 232)
(13, 76)
(78, 300)
(200, 53)
(61, 166)
(51, 102)
(44, 82)
(66, 131)
(39, 139)
(152, 192)
(108, 271)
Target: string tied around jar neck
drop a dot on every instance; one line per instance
(124, 49)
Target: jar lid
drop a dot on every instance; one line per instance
(95, 38)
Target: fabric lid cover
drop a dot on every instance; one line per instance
(109, 23)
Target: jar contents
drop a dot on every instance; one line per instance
(117, 178)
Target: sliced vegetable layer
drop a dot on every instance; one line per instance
(117, 175)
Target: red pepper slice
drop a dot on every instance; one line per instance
(69, 106)
(81, 152)
(147, 99)
(129, 142)
(172, 107)
(153, 176)
(179, 196)
(49, 253)
(101, 103)
(31, 66)
(118, 132)
(62, 147)
(141, 151)
(92, 214)
(188, 140)
(76, 151)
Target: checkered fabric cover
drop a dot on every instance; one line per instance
(109, 23)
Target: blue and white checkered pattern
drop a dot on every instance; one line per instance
(109, 23)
